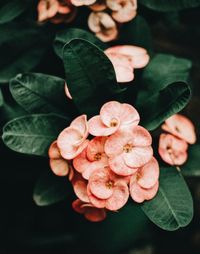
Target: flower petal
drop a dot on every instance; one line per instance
(59, 167)
(54, 152)
(95, 146)
(149, 174)
(129, 115)
(81, 125)
(99, 203)
(123, 74)
(77, 205)
(140, 136)
(94, 214)
(80, 189)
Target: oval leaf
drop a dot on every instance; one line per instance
(170, 5)
(51, 189)
(40, 93)
(90, 76)
(172, 208)
(33, 134)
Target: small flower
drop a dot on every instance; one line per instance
(82, 2)
(103, 26)
(73, 140)
(90, 212)
(92, 158)
(172, 149)
(113, 116)
(128, 150)
(181, 127)
(125, 59)
(106, 190)
(59, 166)
(122, 10)
(144, 183)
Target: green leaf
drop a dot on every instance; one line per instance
(164, 90)
(192, 166)
(33, 134)
(51, 189)
(65, 36)
(90, 76)
(170, 5)
(40, 93)
(172, 208)
(12, 9)
(1, 99)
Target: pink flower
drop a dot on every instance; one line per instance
(73, 140)
(181, 127)
(90, 212)
(106, 190)
(103, 26)
(144, 183)
(113, 116)
(125, 59)
(172, 150)
(123, 10)
(59, 166)
(92, 158)
(128, 150)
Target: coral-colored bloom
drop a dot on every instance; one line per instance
(172, 150)
(128, 150)
(72, 140)
(58, 165)
(123, 10)
(82, 2)
(103, 26)
(125, 59)
(181, 127)
(90, 212)
(92, 158)
(113, 116)
(144, 183)
(106, 190)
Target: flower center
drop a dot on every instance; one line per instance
(128, 148)
(109, 184)
(97, 156)
(113, 122)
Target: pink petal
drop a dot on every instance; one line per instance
(181, 127)
(67, 92)
(77, 205)
(97, 128)
(123, 73)
(94, 214)
(119, 197)
(119, 167)
(129, 115)
(138, 157)
(140, 194)
(109, 111)
(149, 174)
(80, 189)
(140, 61)
(99, 203)
(99, 183)
(59, 167)
(54, 152)
(128, 50)
(140, 136)
(81, 125)
(95, 146)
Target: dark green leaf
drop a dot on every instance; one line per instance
(1, 99)
(170, 5)
(90, 76)
(51, 189)
(165, 90)
(172, 208)
(40, 93)
(192, 166)
(11, 9)
(33, 134)
(65, 36)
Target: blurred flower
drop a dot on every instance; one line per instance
(57, 11)
(125, 59)
(106, 190)
(181, 127)
(90, 212)
(92, 158)
(103, 26)
(144, 183)
(72, 140)
(129, 149)
(122, 10)
(99, 5)
(172, 149)
(113, 116)
(82, 2)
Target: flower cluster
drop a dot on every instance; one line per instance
(104, 19)
(117, 162)
(173, 145)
